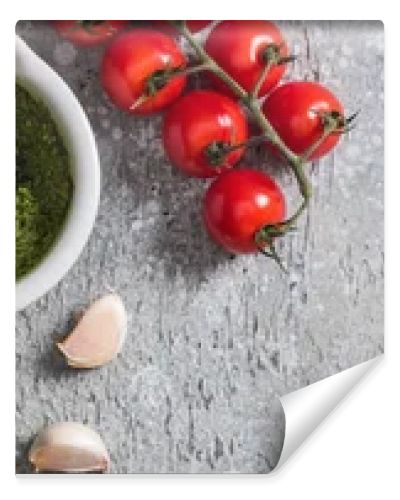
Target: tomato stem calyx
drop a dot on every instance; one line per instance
(333, 122)
(263, 243)
(161, 77)
(216, 151)
(158, 80)
(272, 55)
(267, 234)
(336, 122)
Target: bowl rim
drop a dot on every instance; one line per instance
(34, 74)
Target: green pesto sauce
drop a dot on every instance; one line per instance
(43, 182)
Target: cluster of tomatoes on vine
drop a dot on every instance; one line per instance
(205, 132)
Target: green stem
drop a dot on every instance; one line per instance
(293, 219)
(305, 187)
(250, 100)
(296, 163)
(209, 62)
(255, 107)
(252, 141)
(191, 69)
(260, 80)
(309, 151)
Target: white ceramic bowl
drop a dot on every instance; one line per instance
(35, 75)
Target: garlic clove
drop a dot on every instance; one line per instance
(69, 447)
(98, 336)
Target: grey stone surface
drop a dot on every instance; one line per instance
(213, 340)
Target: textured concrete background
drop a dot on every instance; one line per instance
(213, 340)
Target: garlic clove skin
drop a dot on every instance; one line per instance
(69, 447)
(98, 336)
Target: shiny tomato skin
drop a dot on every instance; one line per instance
(238, 204)
(131, 59)
(167, 27)
(88, 36)
(293, 110)
(237, 47)
(194, 122)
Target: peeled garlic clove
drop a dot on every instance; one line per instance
(69, 447)
(98, 336)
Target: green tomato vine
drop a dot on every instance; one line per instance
(332, 123)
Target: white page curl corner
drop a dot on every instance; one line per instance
(306, 408)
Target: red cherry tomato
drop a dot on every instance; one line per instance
(199, 120)
(167, 27)
(295, 110)
(131, 60)
(238, 204)
(88, 33)
(238, 47)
